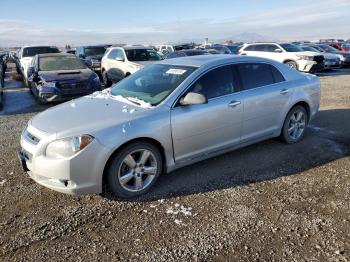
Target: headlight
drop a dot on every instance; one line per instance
(67, 147)
(305, 57)
(342, 57)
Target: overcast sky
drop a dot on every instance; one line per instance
(86, 22)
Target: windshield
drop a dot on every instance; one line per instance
(54, 63)
(346, 46)
(94, 50)
(153, 83)
(32, 51)
(142, 55)
(291, 48)
(319, 49)
(233, 48)
(328, 48)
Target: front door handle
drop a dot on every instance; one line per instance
(234, 103)
(284, 91)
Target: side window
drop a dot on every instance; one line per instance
(260, 48)
(278, 77)
(250, 48)
(120, 54)
(111, 54)
(255, 75)
(270, 48)
(217, 82)
(114, 53)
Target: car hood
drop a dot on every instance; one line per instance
(87, 115)
(66, 75)
(330, 56)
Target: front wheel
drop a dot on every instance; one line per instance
(106, 81)
(134, 170)
(294, 125)
(292, 64)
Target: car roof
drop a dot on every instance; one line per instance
(202, 60)
(87, 46)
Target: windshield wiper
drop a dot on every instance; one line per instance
(133, 101)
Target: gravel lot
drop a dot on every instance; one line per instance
(266, 202)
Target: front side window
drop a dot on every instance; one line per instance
(255, 75)
(217, 82)
(250, 48)
(115, 53)
(55, 63)
(153, 83)
(142, 55)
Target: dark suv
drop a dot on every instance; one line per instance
(92, 55)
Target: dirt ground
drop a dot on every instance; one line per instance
(266, 202)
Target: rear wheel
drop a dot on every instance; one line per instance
(294, 125)
(134, 170)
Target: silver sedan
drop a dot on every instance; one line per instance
(163, 117)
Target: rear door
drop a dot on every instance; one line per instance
(265, 95)
(206, 128)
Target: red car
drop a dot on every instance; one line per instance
(346, 47)
(336, 45)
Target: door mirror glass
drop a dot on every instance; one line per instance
(278, 50)
(193, 98)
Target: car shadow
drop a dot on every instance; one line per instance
(327, 139)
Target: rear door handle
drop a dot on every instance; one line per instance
(284, 91)
(234, 103)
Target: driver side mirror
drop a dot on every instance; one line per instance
(278, 50)
(193, 98)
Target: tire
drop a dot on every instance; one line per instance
(292, 64)
(294, 129)
(105, 79)
(123, 175)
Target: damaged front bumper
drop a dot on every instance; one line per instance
(53, 91)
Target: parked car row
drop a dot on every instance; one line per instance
(114, 63)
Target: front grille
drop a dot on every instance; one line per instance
(319, 59)
(73, 88)
(31, 138)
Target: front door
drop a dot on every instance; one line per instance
(206, 128)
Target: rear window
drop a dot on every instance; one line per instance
(32, 51)
(255, 75)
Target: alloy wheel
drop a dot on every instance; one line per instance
(137, 170)
(297, 124)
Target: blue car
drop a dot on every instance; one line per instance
(59, 77)
(226, 49)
